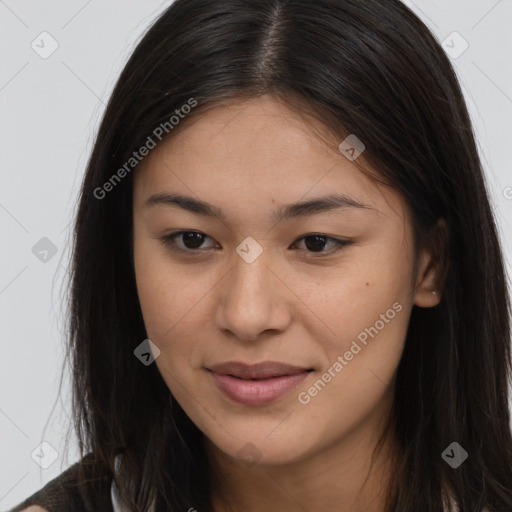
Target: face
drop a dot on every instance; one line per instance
(327, 292)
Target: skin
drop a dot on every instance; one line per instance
(292, 304)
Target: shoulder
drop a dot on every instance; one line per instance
(85, 486)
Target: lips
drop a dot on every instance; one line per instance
(265, 370)
(257, 384)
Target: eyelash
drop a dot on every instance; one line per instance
(169, 242)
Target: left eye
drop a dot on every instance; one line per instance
(191, 241)
(315, 242)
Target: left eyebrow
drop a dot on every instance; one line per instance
(319, 205)
(287, 211)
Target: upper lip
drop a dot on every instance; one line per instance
(263, 370)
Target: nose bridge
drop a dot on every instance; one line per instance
(250, 279)
(251, 300)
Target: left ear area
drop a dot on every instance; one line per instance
(433, 264)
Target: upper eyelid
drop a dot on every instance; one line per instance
(171, 236)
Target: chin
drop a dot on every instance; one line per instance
(254, 448)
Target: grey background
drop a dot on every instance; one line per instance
(49, 113)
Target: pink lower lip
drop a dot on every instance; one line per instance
(257, 392)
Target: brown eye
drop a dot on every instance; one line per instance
(185, 241)
(317, 244)
(192, 241)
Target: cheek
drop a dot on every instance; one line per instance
(364, 310)
(170, 307)
(162, 289)
(360, 359)
(351, 297)
(174, 304)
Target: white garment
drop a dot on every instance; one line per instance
(117, 504)
(451, 505)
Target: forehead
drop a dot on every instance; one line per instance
(255, 152)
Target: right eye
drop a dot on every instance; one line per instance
(185, 241)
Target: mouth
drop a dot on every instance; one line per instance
(257, 384)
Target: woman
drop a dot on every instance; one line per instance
(287, 291)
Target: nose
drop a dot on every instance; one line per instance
(253, 299)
